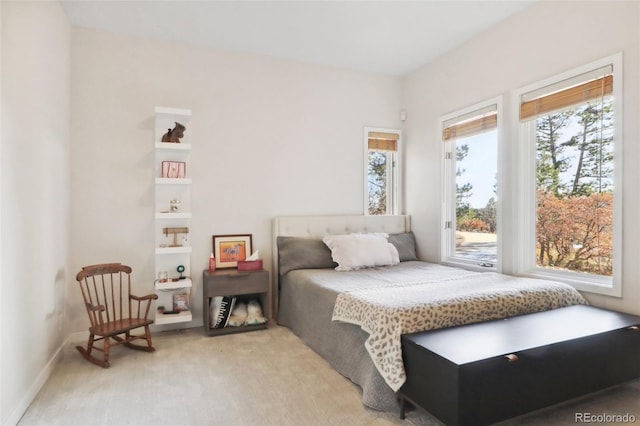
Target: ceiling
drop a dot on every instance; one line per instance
(391, 37)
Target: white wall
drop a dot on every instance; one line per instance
(544, 40)
(270, 137)
(35, 196)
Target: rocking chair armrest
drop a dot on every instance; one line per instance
(143, 308)
(142, 298)
(95, 308)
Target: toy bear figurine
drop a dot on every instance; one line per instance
(174, 135)
(254, 313)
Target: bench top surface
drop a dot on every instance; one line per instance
(475, 342)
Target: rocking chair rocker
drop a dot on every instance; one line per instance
(113, 311)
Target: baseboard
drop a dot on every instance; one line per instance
(24, 403)
(27, 399)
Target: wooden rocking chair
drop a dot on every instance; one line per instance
(113, 310)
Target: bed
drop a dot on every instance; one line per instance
(354, 318)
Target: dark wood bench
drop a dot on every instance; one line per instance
(479, 374)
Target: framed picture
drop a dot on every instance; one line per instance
(174, 169)
(228, 249)
(181, 302)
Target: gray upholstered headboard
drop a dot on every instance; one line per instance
(319, 226)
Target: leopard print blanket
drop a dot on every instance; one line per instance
(387, 312)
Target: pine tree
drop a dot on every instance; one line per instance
(551, 162)
(377, 177)
(463, 192)
(595, 157)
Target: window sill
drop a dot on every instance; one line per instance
(604, 286)
(469, 265)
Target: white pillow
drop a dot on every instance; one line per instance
(357, 251)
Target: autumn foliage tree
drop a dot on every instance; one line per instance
(574, 227)
(576, 232)
(574, 190)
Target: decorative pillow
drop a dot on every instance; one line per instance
(357, 251)
(405, 242)
(302, 253)
(220, 308)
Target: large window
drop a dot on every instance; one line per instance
(470, 141)
(381, 171)
(573, 186)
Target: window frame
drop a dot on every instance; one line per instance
(448, 210)
(393, 172)
(525, 262)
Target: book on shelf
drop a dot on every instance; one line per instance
(181, 302)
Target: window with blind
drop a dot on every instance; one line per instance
(381, 171)
(470, 138)
(571, 188)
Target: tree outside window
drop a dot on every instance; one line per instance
(381, 171)
(574, 189)
(470, 209)
(378, 182)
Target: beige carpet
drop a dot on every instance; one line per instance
(264, 377)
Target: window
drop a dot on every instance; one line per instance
(470, 236)
(572, 188)
(381, 171)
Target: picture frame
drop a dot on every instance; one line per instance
(181, 302)
(174, 169)
(228, 249)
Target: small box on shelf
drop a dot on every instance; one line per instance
(174, 169)
(250, 265)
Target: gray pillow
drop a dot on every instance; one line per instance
(406, 244)
(309, 253)
(302, 253)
